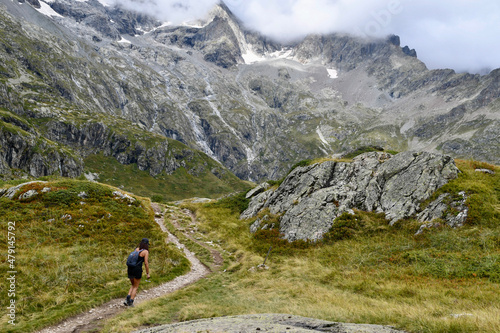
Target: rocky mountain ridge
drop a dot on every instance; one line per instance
(256, 105)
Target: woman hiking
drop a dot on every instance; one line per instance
(134, 262)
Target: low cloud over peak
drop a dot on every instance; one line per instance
(457, 34)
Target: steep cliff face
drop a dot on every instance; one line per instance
(255, 105)
(311, 198)
(43, 147)
(25, 153)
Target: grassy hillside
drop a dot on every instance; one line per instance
(444, 280)
(71, 244)
(180, 185)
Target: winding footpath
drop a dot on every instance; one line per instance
(93, 319)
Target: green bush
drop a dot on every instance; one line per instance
(236, 203)
(157, 198)
(61, 197)
(264, 239)
(344, 227)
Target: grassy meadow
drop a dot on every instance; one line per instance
(444, 280)
(71, 248)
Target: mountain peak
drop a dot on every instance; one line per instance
(222, 10)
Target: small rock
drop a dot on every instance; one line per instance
(27, 195)
(124, 196)
(257, 190)
(427, 226)
(458, 315)
(491, 172)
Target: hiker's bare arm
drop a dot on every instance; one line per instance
(146, 262)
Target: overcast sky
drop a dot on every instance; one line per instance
(459, 34)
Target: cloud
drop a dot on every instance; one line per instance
(292, 19)
(175, 11)
(457, 34)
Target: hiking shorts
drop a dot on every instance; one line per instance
(134, 272)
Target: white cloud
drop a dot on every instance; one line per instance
(458, 34)
(175, 11)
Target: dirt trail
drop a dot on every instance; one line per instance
(93, 319)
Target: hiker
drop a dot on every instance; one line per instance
(134, 262)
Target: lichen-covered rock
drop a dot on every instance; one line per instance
(28, 195)
(124, 197)
(453, 211)
(311, 197)
(268, 323)
(10, 192)
(257, 190)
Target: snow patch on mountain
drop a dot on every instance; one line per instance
(46, 10)
(321, 136)
(105, 3)
(123, 40)
(252, 57)
(332, 73)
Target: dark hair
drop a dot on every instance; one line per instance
(144, 245)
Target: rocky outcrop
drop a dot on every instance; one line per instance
(31, 155)
(92, 138)
(311, 197)
(268, 323)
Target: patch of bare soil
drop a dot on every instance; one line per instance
(93, 320)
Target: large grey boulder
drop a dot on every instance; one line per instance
(311, 197)
(268, 323)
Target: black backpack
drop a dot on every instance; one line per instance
(133, 258)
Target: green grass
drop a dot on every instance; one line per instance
(71, 251)
(177, 186)
(444, 280)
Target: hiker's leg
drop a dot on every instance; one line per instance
(131, 286)
(135, 286)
